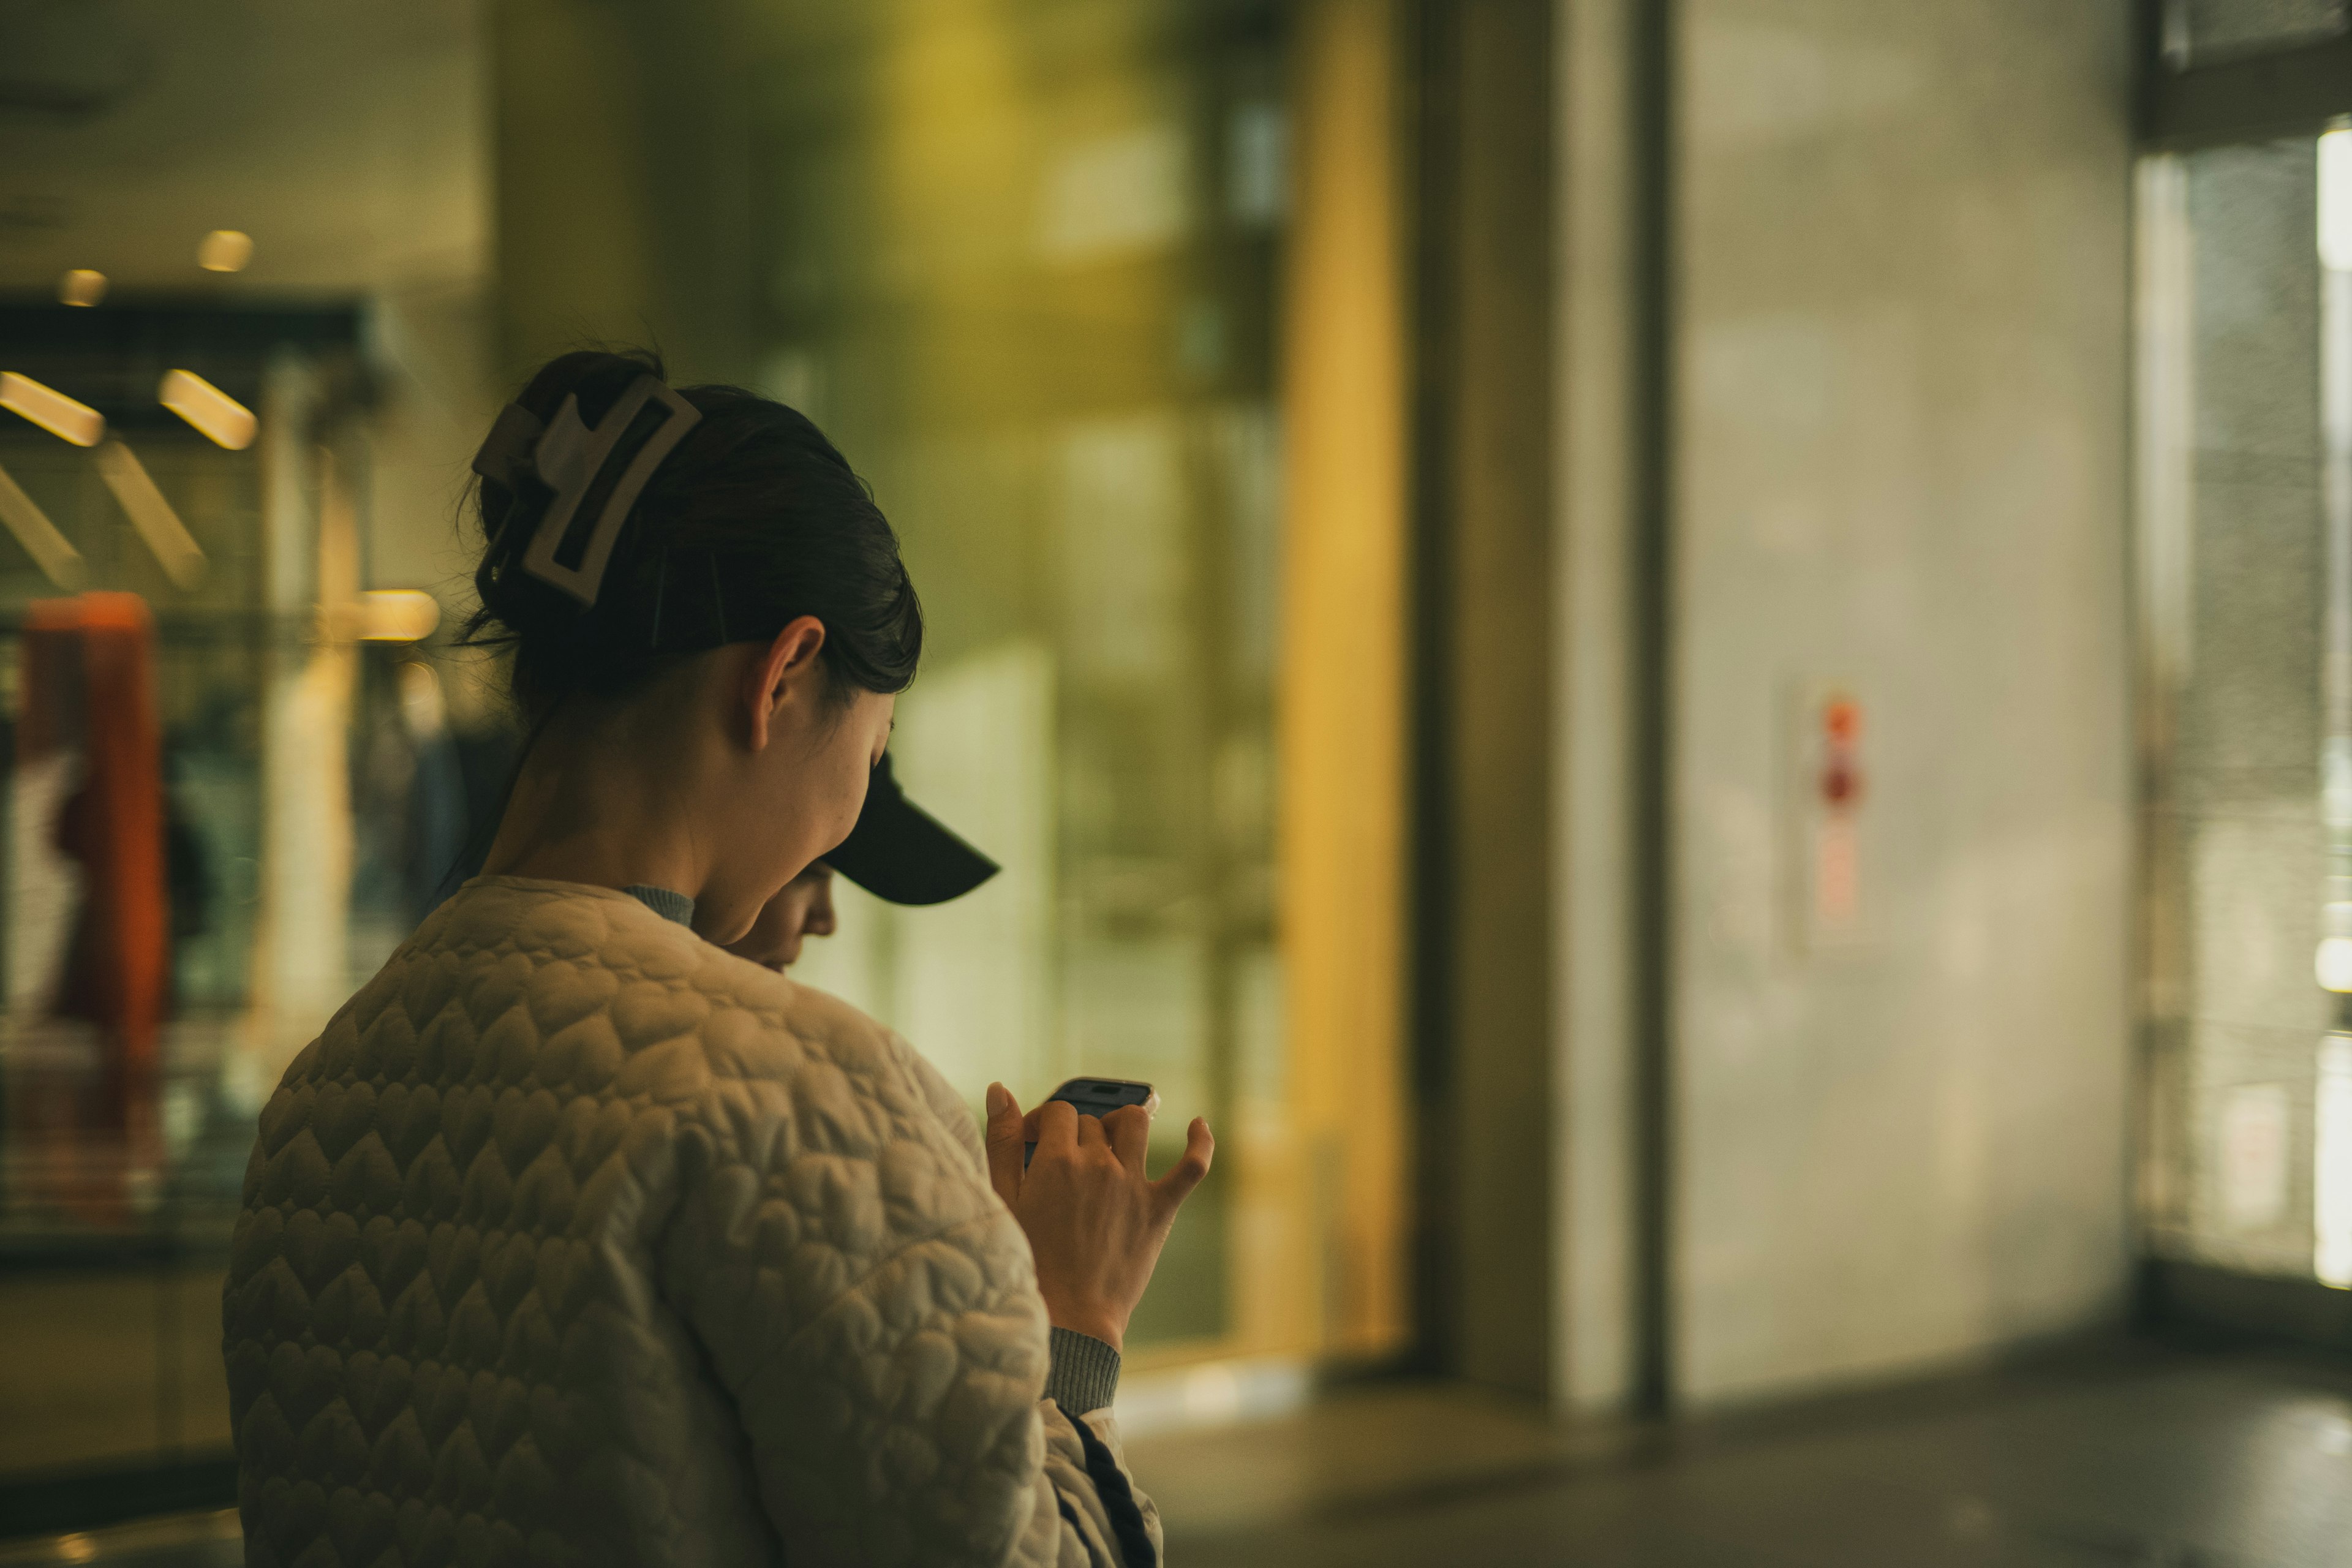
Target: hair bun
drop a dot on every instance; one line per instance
(770, 515)
(597, 377)
(514, 598)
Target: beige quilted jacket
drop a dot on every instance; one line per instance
(575, 1240)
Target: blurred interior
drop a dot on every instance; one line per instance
(1689, 664)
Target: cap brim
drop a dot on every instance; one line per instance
(902, 853)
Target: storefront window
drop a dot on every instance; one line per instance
(231, 788)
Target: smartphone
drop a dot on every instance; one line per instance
(1098, 1096)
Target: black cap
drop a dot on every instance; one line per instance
(902, 853)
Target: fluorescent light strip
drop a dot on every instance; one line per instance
(2331, 1218)
(175, 548)
(50, 551)
(2336, 200)
(51, 410)
(223, 419)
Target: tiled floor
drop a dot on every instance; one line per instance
(2134, 1456)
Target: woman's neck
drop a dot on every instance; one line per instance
(610, 810)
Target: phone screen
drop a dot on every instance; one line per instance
(1096, 1097)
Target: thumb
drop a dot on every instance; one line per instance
(1006, 1144)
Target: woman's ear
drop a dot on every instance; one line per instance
(787, 670)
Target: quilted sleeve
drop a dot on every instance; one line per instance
(946, 1105)
(876, 1317)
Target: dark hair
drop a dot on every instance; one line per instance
(752, 520)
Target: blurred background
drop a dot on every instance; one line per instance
(1689, 661)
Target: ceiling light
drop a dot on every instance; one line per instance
(220, 417)
(397, 614)
(2331, 964)
(225, 250)
(51, 410)
(81, 287)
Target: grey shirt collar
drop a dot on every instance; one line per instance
(662, 901)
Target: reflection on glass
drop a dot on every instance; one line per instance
(1020, 268)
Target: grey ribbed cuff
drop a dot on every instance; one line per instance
(1085, 1375)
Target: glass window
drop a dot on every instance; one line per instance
(2247, 568)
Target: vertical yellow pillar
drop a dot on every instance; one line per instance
(1343, 679)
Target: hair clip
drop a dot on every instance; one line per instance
(570, 457)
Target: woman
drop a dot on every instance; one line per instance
(576, 1238)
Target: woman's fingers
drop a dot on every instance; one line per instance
(1130, 1131)
(1090, 1132)
(1057, 1127)
(1177, 1185)
(1005, 1143)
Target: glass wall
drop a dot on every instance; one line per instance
(1019, 262)
(2246, 282)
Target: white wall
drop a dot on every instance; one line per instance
(1900, 413)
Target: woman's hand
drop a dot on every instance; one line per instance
(1096, 1225)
